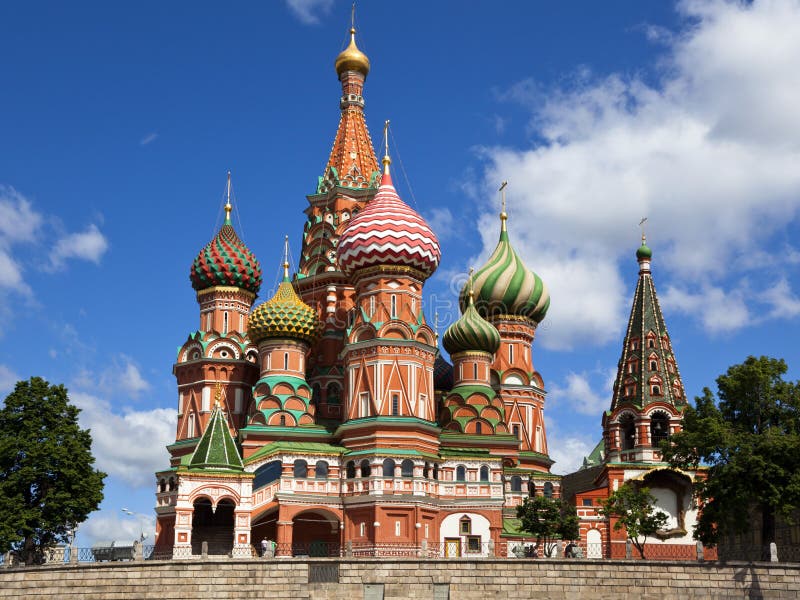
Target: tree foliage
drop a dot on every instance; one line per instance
(634, 508)
(749, 437)
(548, 519)
(47, 481)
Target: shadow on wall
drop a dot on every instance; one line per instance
(747, 579)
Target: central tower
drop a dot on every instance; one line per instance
(350, 180)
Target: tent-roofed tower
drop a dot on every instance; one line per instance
(648, 396)
(350, 180)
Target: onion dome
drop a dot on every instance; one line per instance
(505, 286)
(442, 374)
(471, 333)
(644, 251)
(388, 233)
(351, 58)
(284, 316)
(226, 261)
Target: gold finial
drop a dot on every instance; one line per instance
(386, 160)
(470, 291)
(436, 326)
(217, 394)
(228, 206)
(286, 258)
(351, 58)
(503, 214)
(641, 224)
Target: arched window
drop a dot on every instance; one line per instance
(285, 361)
(653, 365)
(366, 470)
(388, 467)
(300, 468)
(465, 526)
(547, 490)
(474, 370)
(283, 421)
(461, 473)
(316, 393)
(659, 427)
(225, 322)
(162, 485)
(655, 390)
(436, 472)
(478, 428)
(531, 488)
(173, 484)
(627, 429)
(395, 404)
(350, 469)
(332, 393)
(407, 468)
(321, 470)
(394, 306)
(425, 470)
(516, 483)
(190, 426)
(515, 431)
(484, 475)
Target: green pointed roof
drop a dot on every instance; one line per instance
(647, 344)
(505, 286)
(471, 333)
(216, 449)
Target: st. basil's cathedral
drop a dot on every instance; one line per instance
(327, 419)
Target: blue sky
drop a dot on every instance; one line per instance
(118, 124)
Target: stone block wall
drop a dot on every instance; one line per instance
(371, 579)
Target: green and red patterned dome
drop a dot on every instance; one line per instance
(226, 261)
(471, 333)
(505, 286)
(284, 316)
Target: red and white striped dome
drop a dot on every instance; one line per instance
(388, 232)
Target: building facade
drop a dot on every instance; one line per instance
(326, 416)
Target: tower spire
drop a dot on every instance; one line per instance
(386, 160)
(503, 214)
(286, 258)
(228, 205)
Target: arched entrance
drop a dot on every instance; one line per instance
(315, 533)
(213, 525)
(594, 544)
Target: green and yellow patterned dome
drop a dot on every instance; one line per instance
(471, 333)
(505, 286)
(283, 316)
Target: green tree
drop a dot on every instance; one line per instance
(548, 519)
(749, 438)
(633, 506)
(47, 482)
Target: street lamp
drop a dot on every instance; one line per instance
(130, 513)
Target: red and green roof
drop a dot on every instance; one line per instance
(226, 261)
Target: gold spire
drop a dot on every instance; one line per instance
(471, 292)
(228, 206)
(351, 58)
(286, 258)
(503, 214)
(386, 160)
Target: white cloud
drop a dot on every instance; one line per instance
(89, 245)
(8, 378)
(719, 311)
(124, 375)
(441, 221)
(579, 393)
(19, 223)
(129, 446)
(709, 155)
(310, 12)
(149, 138)
(782, 301)
(568, 451)
(121, 528)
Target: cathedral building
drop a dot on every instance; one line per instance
(326, 417)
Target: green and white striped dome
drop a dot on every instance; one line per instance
(505, 286)
(471, 333)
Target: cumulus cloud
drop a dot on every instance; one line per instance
(130, 445)
(568, 451)
(578, 391)
(125, 375)
(441, 220)
(122, 528)
(88, 245)
(310, 12)
(8, 378)
(19, 223)
(709, 154)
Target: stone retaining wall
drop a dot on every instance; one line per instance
(370, 579)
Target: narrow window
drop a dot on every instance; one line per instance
(366, 470)
(283, 421)
(478, 428)
(397, 528)
(395, 404)
(321, 470)
(511, 353)
(180, 403)
(371, 306)
(461, 473)
(300, 468)
(206, 399)
(484, 473)
(413, 306)
(516, 483)
(361, 529)
(190, 426)
(548, 489)
(225, 322)
(515, 429)
(394, 306)
(388, 467)
(407, 468)
(651, 343)
(241, 322)
(364, 400)
(350, 470)
(239, 397)
(653, 365)
(474, 370)
(628, 430)
(285, 361)
(436, 472)
(426, 531)
(465, 526)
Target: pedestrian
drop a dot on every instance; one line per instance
(264, 545)
(569, 551)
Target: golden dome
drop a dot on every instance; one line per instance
(352, 59)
